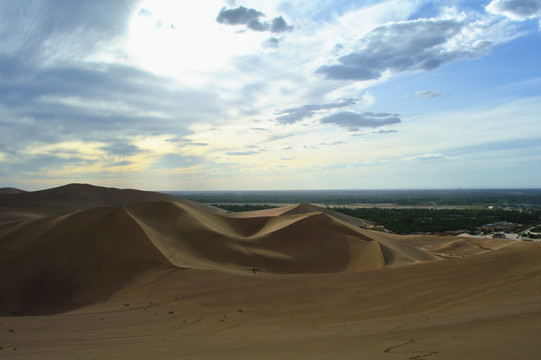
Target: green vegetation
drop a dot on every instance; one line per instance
(456, 197)
(536, 229)
(431, 220)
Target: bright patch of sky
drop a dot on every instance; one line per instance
(244, 94)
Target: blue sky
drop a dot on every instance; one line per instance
(231, 94)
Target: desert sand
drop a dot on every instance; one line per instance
(96, 273)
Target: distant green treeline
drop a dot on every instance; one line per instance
(481, 197)
(431, 220)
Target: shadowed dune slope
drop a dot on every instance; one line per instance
(74, 197)
(57, 263)
(287, 242)
(10, 190)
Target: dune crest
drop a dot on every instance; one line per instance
(288, 242)
(72, 260)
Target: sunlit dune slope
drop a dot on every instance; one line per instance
(279, 242)
(57, 263)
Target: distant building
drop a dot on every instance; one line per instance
(498, 236)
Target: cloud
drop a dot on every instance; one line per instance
(355, 121)
(243, 153)
(197, 144)
(250, 17)
(241, 16)
(495, 146)
(422, 44)
(44, 31)
(293, 115)
(272, 42)
(145, 12)
(279, 25)
(426, 157)
(368, 99)
(516, 9)
(430, 94)
(53, 102)
(117, 147)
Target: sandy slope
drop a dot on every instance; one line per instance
(183, 280)
(463, 308)
(63, 262)
(73, 197)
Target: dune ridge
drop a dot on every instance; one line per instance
(75, 197)
(83, 257)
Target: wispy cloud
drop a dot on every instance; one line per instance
(413, 45)
(431, 94)
(292, 115)
(355, 121)
(426, 157)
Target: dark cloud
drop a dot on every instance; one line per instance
(251, 18)
(84, 101)
(239, 16)
(399, 47)
(516, 9)
(345, 72)
(279, 25)
(119, 147)
(293, 115)
(355, 121)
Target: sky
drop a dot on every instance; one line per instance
(270, 95)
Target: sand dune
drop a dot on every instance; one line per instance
(10, 190)
(77, 259)
(285, 243)
(177, 279)
(73, 197)
(461, 308)
(60, 263)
